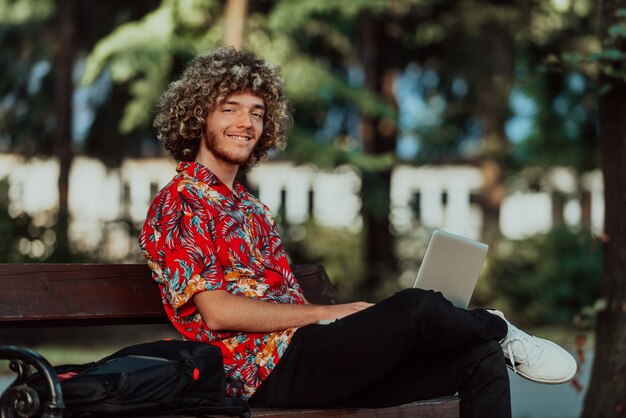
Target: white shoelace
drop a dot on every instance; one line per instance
(520, 354)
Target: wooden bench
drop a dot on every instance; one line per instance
(52, 295)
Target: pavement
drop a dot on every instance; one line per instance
(533, 400)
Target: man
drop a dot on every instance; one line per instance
(225, 279)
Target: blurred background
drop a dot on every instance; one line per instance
(476, 116)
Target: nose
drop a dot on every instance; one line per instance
(244, 121)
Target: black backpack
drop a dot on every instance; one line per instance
(162, 377)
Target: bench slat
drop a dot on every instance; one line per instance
(445, 407)
(104, 294)
(78, 294)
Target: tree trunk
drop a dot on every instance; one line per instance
(234, 19)
(235, 13)
(492, 94)
(378, 56)
(606, 396)
(65, 51)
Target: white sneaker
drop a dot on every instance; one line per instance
(534, 358)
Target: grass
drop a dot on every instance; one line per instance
(78, 345)
(58, 354)
(76, 354)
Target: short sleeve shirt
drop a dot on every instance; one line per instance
(198, 236)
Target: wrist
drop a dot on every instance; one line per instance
(325, 312)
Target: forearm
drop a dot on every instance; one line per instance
(222, 311)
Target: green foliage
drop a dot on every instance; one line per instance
(30, 238)
(587, 318)
(310, 80)
(410, 248)
(25, 11)
(25, 239)
(25, 94)
(564, 125)
(315, 43)
(291, 16)
(145, 54)
(547, 278)
(142, 53)
(339, 250)
(607, 58)
(305, 148)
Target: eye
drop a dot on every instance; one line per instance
(228, 110)
(257, 115)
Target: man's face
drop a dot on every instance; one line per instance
(234, 128)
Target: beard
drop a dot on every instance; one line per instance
(223, 152)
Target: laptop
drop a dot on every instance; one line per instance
(451, 265)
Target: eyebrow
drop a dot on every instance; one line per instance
(260, 106)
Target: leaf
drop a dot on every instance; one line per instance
(308, 79)
(620, 12)
(378, 162)
(145, 92)
(600, 305)
(124, 46)
(142, 52)
(289, 16)
(552, 59)
(26, 12)
(610, 54)
(605, 89)
(573, 57)
(617, 31)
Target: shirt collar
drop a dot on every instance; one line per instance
(201, 173)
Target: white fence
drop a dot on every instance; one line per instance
(434, 196)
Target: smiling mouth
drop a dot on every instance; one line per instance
(240, 137)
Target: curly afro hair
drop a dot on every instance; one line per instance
(206, 82)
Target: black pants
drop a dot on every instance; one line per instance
(414, 345)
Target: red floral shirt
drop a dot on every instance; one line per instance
(199, 235)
